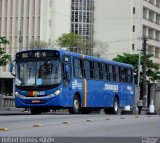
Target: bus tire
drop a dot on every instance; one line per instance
(76, 106)
(35, 111)
(115, 107)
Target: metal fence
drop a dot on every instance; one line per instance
(7, 102)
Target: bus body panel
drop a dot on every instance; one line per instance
(92, 92)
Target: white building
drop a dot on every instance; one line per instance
(26, 21)
(122, 23)
(119, 23)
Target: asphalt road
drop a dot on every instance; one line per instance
(92, 125)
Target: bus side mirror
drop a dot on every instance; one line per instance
(12, 68)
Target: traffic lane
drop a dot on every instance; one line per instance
(95, 127)
(25, 120)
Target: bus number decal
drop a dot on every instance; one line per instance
(76, 84)
(112, 87)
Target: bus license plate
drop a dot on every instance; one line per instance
(36, 101)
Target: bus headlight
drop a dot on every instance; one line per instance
(19, 95)
(57, 92)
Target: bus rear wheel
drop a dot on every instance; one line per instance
(76, 106)
(115, 107)
(35, 111)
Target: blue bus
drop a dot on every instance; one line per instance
(59, 79)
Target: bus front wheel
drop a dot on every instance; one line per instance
(76, 106)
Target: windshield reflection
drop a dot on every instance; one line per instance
(38, 73)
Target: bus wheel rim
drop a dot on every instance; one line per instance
(116, 106)
(76, 104)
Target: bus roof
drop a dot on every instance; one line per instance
(97, 59)
(80, 55)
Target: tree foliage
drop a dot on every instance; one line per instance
(39, 44)
(100, 49)
(152, 68)
(4, 57)
(71, 41)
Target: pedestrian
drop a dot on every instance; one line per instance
(140, 105)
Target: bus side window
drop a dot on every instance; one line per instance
(126, 75)
(104, 71)
(122, 74)
(87, 69)
(130, 72)
(66, 68)
(115, 73)
(78, 70)
(96, 71)
(100, 71)
(110, 73)
(91, 70)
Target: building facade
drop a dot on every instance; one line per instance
(82, 21)
(24, 21)
(123, 23)
(120, 24)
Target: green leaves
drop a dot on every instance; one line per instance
(4, 58)
(3, 40)
(70, 40)
(152, 68)
(39, 44)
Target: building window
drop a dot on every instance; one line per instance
(134, 10)
(133, 29)
(50, 3)
(132, 47)
(49, 23)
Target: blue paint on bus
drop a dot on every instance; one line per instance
(96, 81)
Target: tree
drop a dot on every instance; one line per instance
(4, 57)
(39, 44)
(72, 41)
(152, 68)
(100, 48)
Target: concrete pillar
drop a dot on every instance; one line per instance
(13, 86)
(0, 101)
(157, 98)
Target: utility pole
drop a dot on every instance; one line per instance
(144, 95)
(139, 70)
(20, 40)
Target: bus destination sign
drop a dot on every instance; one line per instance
(37, 54)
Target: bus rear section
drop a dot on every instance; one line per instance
(106, 84)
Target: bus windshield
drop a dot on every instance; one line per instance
(38, 73)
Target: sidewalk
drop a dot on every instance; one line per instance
(14, 112)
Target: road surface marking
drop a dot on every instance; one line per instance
(108, 118)
(89, 120)
(66, 122)
(37, 125)
(3, 129)
(137, 116)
